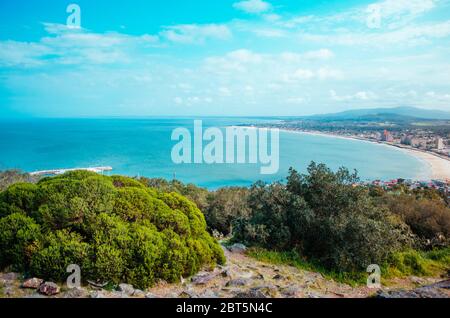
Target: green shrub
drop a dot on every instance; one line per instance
(428, 218)
(21, 196)
(18, 234)
(57, 251)
(114, 228)
(324, 217)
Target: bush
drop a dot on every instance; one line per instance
(324, 217)
(428, 218)
(18, 235)
(114, 228)
(224, 207)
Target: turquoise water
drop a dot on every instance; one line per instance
(142, 147)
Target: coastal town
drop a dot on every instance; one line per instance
(426, 139)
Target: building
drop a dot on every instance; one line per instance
(387, 137)
(440, 144)
(410, 141)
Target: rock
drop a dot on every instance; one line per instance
(209, 294)
(8, 291)
(10, 276)
(269, 291)
(150, 295)
(225, 272)
(138, 293)
(277, 277)
(49, 289)
(237, 282)
(237, 248)
(252, 293)
(35, 295)
(126, 289)
(188, 294)
(32, 283)
(291, 291)
(97, 294)
(203, 278)
(417, 280)
(437, 290)
(311, 294)
(76, 293)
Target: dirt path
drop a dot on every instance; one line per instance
(243, 277)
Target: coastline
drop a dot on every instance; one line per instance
(439, 166)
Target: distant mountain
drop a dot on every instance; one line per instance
(395, 113)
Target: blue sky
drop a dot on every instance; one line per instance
(224, 57)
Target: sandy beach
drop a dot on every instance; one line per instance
(439, 167)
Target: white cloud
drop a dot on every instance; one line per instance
(295, 100)
(270, 33)
(391, 8)
(253, 6)
(303, 74)
(410, 35)
(178, 100)
(235, 61)
(362, 96)
(325, 73)
(196, 33)
(438, 97)
(73, 46)
(224, 91)
(322, 54)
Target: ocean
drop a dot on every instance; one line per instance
(142, 147)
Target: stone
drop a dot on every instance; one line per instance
(150, 295)
(97, 294)
(277, 277)
(138, 293)
(417, 280)
(209, 294)
(188, 294)
(269, 291)
(291, 291)
(237, 282)
(34, 295)
(251, 293)
(32, 283)
(311, 294)
(49, 289)
(76, 293)
(10, 276)
(437, 290)
(237, 248)
(203, 278)
(126, 289)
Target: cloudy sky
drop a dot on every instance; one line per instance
(222, 57)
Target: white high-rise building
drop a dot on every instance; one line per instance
(440, 144)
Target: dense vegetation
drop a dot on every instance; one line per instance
(115, 228)
(323, 218)
(142, 230)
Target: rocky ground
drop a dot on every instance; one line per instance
(242, 277)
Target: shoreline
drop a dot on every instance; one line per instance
(439, 166)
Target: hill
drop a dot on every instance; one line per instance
(397, 113)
